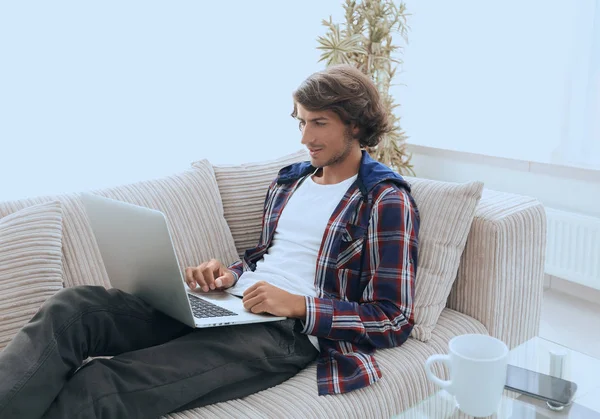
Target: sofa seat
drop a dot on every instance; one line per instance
(403, 384)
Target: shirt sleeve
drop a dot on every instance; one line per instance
(383, 317)
(236, 269)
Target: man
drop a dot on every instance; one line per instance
(337, 256)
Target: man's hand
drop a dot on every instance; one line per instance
(211, 275)
(263, 297)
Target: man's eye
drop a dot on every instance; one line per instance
(300, 125)
(320, 124)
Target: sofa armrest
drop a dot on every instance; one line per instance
(501, 273)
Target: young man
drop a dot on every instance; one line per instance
(337, 256)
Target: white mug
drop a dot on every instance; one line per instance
(477, 365)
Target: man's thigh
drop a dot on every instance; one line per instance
(204, 363)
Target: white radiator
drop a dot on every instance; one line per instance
(573, 247)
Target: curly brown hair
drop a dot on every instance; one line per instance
(349, 93)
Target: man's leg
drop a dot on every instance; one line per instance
(202, 367)
(71, 326)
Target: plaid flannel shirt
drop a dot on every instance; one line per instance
(365, 273)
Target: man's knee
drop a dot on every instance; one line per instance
(70, 301)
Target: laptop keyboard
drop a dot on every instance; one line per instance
(202, 309)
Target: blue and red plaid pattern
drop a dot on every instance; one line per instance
(365, 274)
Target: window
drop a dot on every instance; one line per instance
(513, 79)
(580, 136)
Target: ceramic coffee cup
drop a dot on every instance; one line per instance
(477, 365)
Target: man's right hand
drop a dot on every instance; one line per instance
(211, 275)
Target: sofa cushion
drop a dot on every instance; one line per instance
(403, 384)
(447, 211)
(81, 262)
(243, 190)
(190, 200)
(30, 264)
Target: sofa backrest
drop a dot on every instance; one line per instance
(243, 191)
(190, 200)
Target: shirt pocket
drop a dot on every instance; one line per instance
(351, 245)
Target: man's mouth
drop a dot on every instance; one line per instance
(314, 151)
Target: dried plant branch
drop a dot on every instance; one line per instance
(365, 41)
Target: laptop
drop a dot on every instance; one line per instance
(139, 257)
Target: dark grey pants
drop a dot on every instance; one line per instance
(159, 365)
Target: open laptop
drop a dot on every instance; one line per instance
(138, 253)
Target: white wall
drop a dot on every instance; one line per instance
(94, 94)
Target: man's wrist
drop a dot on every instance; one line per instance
(300, 310)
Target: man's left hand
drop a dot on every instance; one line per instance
(263, 297)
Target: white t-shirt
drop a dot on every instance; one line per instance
(291, 261)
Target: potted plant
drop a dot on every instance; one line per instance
(365, 41)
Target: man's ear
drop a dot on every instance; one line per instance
(355, 130)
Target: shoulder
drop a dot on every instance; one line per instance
(391, 192)
(394, 205)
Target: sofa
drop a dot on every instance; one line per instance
(480, 270)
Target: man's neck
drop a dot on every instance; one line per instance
(330, 175)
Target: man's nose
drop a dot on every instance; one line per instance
(306, 136)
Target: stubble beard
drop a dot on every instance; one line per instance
(342, 155)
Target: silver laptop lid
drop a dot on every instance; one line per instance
(136, 247)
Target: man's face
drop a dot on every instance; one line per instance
(326, 137)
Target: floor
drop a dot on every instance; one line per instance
(574, 322)
(571, 322)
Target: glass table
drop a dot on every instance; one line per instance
(534, 355)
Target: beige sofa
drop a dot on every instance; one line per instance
(496, 288)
